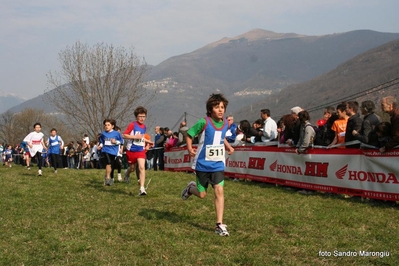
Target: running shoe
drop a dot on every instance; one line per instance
(221, 230)
(142, 192)
(39, 173)
(185, 194)
(126, 178)
(120, 177)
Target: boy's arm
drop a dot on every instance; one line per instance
(228, 147)
(44, 145)
(189, 141)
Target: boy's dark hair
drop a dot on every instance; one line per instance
(265, 111)
(140, 110)
(111, 121)
(214, 100)
(37, 124)
(341, 107)
(53, 129)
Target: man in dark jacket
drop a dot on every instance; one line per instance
(354, 122)
(390, 106)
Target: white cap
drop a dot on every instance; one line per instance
(296, 109)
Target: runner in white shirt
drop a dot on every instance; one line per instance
(35, 142)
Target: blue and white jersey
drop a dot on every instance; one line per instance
(133, 129)
(8, 154)
(210, 155)
(54, 144)
(106, 142)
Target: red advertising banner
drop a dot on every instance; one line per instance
(359, 172)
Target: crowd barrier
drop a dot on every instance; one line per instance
(359, 172)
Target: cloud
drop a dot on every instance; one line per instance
(35, 31)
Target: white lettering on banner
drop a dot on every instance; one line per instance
(256, 163)
(373, 177)
(356, 173)
(236, 164)
(364, 176)
(319, 169)
(175, 161)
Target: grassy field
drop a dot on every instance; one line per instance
(70, 218)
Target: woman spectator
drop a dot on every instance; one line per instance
(285, 128)
(307, 133)
(172, 141)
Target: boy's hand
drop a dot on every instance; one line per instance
(192, 152)
(231, 151)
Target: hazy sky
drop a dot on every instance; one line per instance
(32, 33)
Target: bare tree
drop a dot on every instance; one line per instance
(15, 126)
(96, 83)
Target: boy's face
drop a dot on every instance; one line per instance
(38, 128)
(141, 118)
(53, 133)
(218, 111)
(108, 126)
(341, 114)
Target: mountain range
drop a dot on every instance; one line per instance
(254, 68)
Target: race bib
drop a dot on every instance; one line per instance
(108, 143)
(139, 142)
(214, 153)
(55, 144)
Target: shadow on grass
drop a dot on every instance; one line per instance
(98, 185)
(152, 214)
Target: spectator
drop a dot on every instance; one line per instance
(339, 126)
(182, 134)
(390, 106)
(86, 139)
(1, 152)
(86, 158)
(240, 136)
(172, 141)
(383, 131)
(255, 132)
(160, 149)
(269, 126)
(286, 129)
(94, 155)
(296, 128)
(325, 134)
(307, 133)
(232, 129)
(17, 154)
(354, 122)
(71, 155)
(367, 133)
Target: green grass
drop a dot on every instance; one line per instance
(70, 218)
